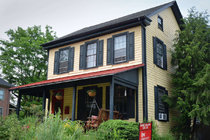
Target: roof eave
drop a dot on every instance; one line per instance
(98, 32)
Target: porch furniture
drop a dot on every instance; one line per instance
(103, 115)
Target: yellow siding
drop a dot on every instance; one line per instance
(138, 55)
(155, 75)
(68, 95)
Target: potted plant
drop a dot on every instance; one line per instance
(91, 92)
(58, 96)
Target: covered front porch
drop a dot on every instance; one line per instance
(115, 91)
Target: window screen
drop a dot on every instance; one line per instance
(63, 61)
(159, 54)
(91, 55)
(120, 49)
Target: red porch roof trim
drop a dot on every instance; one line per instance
(79, 77)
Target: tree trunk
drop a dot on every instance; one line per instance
(193, 132)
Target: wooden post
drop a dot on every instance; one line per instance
(18, 104)
(74, 103)
(111, 114)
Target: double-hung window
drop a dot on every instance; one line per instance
(1, 94)
(64, 60)
(161, 108)
(91, 55)
(120, 49)
(159, 49)
(160, 23)
(159, 53)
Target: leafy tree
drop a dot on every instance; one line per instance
(23, 60)
(191, 80)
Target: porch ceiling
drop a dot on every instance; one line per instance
(77, 77)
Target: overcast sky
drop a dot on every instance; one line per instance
(66, 16)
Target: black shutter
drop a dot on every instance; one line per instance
(167, 108)
(156, 103)
(100, 53)
(164, 57)
(71, 59)
(56, 62)
(110, 51)
(131, 46)
(82, 57)
(127, 47)
(154, 51)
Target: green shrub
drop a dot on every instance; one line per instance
(73, 129)
(10, 128)
(118, 129)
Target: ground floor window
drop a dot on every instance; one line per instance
(124, 101)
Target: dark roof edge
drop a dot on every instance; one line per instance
(114, 27)
(5, 84)
(98, 32)
(175, 10)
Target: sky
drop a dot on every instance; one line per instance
(66, 16)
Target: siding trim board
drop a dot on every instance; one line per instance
(144, 74)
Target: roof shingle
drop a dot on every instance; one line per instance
(4, 83)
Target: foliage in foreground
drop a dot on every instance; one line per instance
(191, 57)
(53, 128)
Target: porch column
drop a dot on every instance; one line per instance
(111, 114)
(43, 100)
(73, 103)
(18, 104)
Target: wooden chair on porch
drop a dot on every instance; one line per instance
(103, 115)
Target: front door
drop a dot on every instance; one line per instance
(57, 104)
(87, 103)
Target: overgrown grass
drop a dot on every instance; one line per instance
(53, 128)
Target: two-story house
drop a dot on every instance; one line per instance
(124, 62)
(4, 97)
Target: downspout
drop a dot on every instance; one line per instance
(145, 22)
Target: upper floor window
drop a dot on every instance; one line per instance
(160, 56)
(1, 94)
(64, 60)
(161, 108)
(91, 54)
(160, 23)
(120, 48)
(1, 112)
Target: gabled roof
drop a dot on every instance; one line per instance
(78, 77)
(99, 29)
(4, 83)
